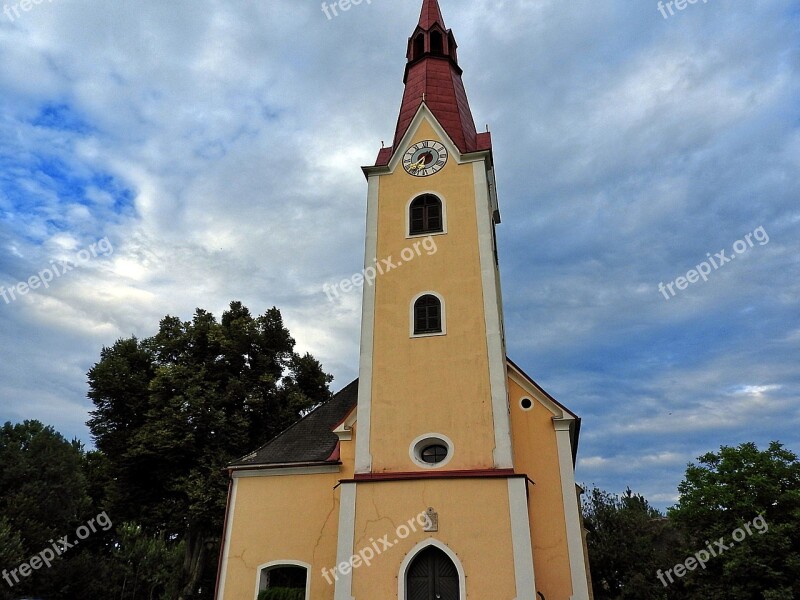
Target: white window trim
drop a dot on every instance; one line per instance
(283, 563)
(414, 450)
(401, 579)
(442, 199)
(412, 319)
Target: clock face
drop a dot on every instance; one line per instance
(425, 158)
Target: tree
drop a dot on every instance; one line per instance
(147, 564)
(173, 410)
(628, 542)
(736, 490)
(42, 498)
(12, 552)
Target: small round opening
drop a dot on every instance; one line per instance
(431, 451)
(433, 454)
(526, 403)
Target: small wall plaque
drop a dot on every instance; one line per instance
(433, 520)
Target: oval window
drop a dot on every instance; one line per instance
(434, 454)
(431, 451)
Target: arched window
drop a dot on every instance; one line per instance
(432, 575)
(425, 215)
(427, 315)
(419, 46)
(283, 582)
(437, 43)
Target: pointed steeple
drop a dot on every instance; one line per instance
(433, 76)
(431, 13)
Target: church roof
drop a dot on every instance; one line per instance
(309, 440)
(433, 77)
(312, 441)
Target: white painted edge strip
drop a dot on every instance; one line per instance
(364, 416)
(494, 337)
(226, 550)
(521, 538)
(577, 562)
(347, 532)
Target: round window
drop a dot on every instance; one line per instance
(433, 454)
(431, 451)
(526, 403)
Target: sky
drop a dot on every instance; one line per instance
(185, 154)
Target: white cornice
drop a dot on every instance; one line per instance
(345, 428)
(272, 471)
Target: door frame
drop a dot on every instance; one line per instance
(414, 552)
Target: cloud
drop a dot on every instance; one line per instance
(217, 145)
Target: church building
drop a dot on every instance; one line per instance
(443, 472)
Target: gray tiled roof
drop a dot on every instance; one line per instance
(309, 440)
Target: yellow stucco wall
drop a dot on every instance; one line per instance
(296, 517)
(291, 517)
(282, 518)
(536, 454)
(432, 384)
(478, 531)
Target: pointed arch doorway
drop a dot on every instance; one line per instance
(432, 576)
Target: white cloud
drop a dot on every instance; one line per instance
(218, 146)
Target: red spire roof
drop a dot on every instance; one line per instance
(431, 13)
(433, 73)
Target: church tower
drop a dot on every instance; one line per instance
(444, 472)
(432, 347)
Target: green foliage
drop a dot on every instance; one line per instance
(42, 497)
(42, 486)
(280, 593)
(628, 542)
(173, 410)
(11, 549)
(147, 563)
(721, 494)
